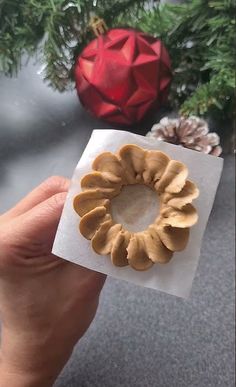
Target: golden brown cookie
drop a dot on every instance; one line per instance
(119, 248)
(135, 165)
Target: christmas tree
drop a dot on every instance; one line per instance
(198, 34)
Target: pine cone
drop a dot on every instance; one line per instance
(191, 132)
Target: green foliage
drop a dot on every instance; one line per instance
(57, 28)
(199, 35)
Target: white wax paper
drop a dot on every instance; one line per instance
(175, 277)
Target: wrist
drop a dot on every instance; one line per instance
(26, 361)
(10, 376)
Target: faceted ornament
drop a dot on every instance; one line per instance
(123, 74)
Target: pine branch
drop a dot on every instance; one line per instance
(217, 93)
(63, 26)
(199, 34)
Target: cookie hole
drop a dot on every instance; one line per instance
(136, 207)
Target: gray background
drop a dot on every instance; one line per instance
(140, 337)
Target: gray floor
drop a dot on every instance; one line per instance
(140, 337)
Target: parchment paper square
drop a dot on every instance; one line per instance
(176, 277)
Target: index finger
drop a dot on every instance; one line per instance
(44, 191)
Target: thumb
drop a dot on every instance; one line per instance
(38, 226)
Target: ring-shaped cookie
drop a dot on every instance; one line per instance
(170, 230)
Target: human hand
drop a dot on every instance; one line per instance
(46, 303)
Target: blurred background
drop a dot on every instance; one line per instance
(140, 337)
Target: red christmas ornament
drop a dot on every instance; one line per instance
(121, 75)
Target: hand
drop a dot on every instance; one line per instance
(46, 303)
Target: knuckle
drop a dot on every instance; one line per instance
(55, 184)
(58, 200)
